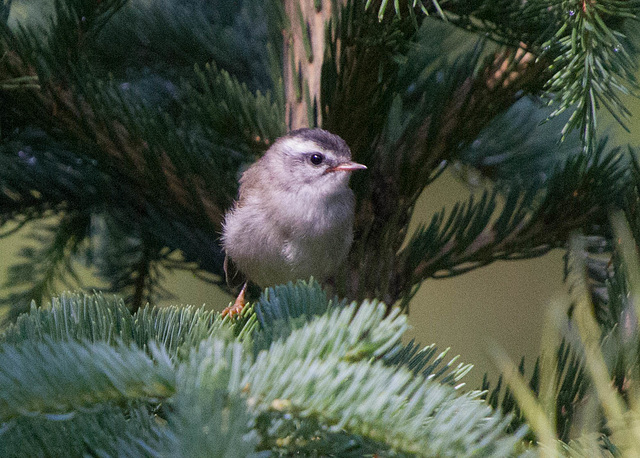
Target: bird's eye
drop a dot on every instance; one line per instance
(316, 159)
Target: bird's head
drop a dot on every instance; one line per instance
(311, 158)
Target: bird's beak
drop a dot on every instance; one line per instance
(346, 167)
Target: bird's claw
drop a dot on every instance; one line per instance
(235, 310)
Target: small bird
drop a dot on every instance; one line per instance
(294, 214)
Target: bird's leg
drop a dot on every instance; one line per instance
(236, 309)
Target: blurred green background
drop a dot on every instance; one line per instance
(503, 303)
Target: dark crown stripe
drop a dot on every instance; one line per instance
(324, 139)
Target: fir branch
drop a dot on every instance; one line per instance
(222, 398)
(106, 430)
(411, 414)
(142, 166)
(309, 436)
(632, 195)
(125, 137)
(505, 21)
(148, 149)
(98, 318)
(24, 82)
(318, 374)
(606, 408)
(252, 119)
(369, 332)
(28, 160)
(5, 9)
(592, 66)
(428, 110)
(47, 265)
(81, 317)
(179, 329)
(570, 390)
(77, 23)
(129, 259)
(563, 203)
(283, 308)
(582, 43)
(421, 360)
(360, 55)
(210, 413)
(35, 376)
(517, 147)
(243, 38)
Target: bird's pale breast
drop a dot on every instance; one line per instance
(310, 236)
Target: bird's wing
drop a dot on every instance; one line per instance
(250, 175)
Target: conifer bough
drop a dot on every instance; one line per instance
(133, 122)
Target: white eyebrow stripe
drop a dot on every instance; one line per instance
(301, 145)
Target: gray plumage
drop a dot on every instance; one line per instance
(294, 214)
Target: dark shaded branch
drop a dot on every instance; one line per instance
(529, 223)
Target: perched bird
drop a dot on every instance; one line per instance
(294, 214)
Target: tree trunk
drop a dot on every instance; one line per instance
(304, 47)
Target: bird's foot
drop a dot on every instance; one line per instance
(235, 310)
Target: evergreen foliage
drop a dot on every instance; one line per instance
(128, 122)
(601, 414)
(123, 127)
(585, 41)
(191, 385)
